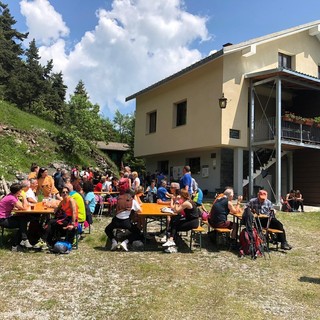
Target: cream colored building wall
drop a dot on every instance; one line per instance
(210, 182)
(306, 52)
(201, 88)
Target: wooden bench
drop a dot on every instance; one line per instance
(268, 232)
(195, 231)
(218, 231)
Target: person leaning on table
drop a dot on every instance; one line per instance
(186, 222)
(261, 205)
(218, 217)
(9, 221)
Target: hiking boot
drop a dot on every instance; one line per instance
(124, 246)
(26, 244)
(42, 245)
(169, 243)
(286, 246)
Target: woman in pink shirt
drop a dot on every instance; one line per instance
(9, 221)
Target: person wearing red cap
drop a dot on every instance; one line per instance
(261, 205)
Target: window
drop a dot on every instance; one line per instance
(194, 164)
(152, 122)
(163, 166)
(284, 61)
(181, 113)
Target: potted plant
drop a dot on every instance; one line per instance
(308, 121)
(317, 121)
(288, 116)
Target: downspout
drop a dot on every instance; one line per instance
(278, 142)
(251, 139)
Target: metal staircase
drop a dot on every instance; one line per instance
(262, 168)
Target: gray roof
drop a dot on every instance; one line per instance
(226, 50)
(116, 146)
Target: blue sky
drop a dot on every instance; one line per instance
(118, 47)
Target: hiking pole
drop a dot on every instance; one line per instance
(264, 245)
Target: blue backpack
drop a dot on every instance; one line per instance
(62, 247)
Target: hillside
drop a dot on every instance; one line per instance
(26, 138)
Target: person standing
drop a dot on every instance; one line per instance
(186, 180)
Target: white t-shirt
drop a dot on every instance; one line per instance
(135, 183)
(30, 194)
(126, 214)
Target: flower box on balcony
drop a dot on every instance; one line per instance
(308, 122)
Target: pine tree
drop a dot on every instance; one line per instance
(10, 46)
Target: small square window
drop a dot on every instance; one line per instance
(284, 61)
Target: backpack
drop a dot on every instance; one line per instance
(62, 247)
(123, 185)
(124, 203)
(247, 247)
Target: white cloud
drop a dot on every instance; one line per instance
(44, 23)
(133, 45)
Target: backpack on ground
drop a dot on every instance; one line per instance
(250, 246)
(62, 247)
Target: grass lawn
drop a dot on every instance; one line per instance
(94, 283)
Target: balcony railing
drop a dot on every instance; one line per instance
(266, 130)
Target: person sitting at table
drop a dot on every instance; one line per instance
(262, 205)
(46, 184)
(151, 192)
(89, 196)
(299, 201)
(218, 217)
(186, 222)
(162, 193)
(30, 194)
(122, 220)
(79, 201)
(66, 220)
(10, 221)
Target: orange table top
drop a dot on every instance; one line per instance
(153, 209)
(106, 192)
(39, 208)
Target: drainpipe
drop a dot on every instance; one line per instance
(278, 142)
(251, 137)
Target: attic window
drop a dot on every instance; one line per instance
(284, 61)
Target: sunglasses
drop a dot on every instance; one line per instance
(64, 192)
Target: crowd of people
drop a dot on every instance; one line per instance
(77, 195)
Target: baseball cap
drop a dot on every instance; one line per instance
(262, 194)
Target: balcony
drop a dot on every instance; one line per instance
(291, 132)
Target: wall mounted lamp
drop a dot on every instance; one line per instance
(222, 102)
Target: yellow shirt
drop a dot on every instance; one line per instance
(46, 186)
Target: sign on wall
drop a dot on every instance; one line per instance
(177, 172)
(205, 171)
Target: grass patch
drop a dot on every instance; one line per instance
(93, 283)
